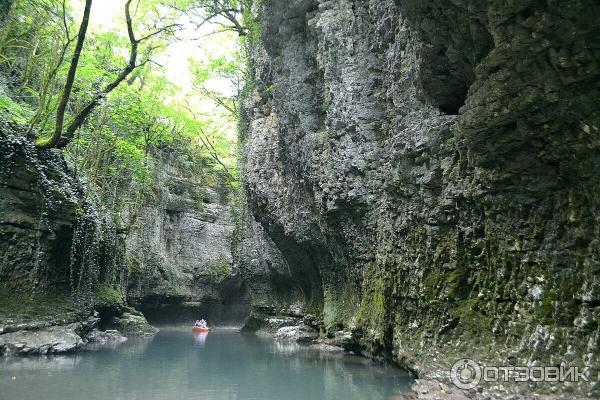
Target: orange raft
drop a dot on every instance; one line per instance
(199, 329)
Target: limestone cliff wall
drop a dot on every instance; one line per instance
(429, 172)
(58, 260)
(179, 247)
(61, 255)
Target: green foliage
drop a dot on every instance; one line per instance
(15, 112)
(229, 72)
(230, 14)
(216, 67)
(33, 45)
(209, 138)
(19, 307)
(116, 150)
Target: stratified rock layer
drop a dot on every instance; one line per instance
(429, 172)
(52, 340)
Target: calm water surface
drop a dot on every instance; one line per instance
(223, 365)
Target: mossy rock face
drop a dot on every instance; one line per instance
(43, 309)
(216, 270)
(340, 305)
(372, 311)
(179, 248)
(108, 302)
(5, 6)
(52, 241)
(133, 324)
(254, 323)
(41, 208)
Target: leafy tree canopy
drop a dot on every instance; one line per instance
(114, 146)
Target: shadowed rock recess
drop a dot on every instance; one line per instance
(429, 172)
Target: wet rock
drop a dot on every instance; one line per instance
(263, 268)
(291, 333)
(277, 322)
(51, 340)
(300, 334)
(329, 348)
(53, 256)
(41, 209)
(110, 336)
(179, 251)
(343, 339)
(434, 390)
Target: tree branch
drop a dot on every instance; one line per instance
(159, 31)
(86, 111)
(212, 152)
(62, 106)
(52, 73)
(81, 117)
(220, 100)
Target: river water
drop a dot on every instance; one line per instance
(221, 365)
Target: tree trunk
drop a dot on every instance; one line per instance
(62, 106)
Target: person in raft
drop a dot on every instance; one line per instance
(200, 324)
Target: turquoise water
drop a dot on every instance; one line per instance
(222, 365)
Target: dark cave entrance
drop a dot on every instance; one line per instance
(229, 306)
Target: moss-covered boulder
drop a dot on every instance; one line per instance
(133, 324)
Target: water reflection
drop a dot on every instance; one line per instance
(228, 366)
(200, 338)
(286, 348)
(38, 363)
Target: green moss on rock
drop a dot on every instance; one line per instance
(109, 297)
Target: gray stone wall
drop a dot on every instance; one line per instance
(429, 171)
(266, 273)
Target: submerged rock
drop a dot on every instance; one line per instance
(42, 338)
(329, 348)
